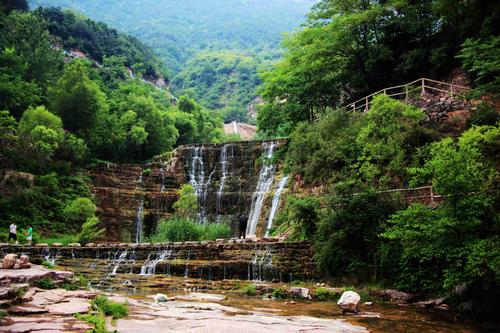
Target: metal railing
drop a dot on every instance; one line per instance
(406, 91)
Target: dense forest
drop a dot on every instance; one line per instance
(218, 53)
(363, 230)
(59, 114)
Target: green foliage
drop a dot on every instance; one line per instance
(346, 241)
(279, 293)
(249, 290)
(98, 320)
(180, 229)
(90, 231)
(79, 210)
(3, 314)
(458, 241)
(77, 99)
(302, 214)
(221, 80)
(214, 231)
(349, 49)
(323, 294)
(484, 115)
(176, 229)
(186, 205)
(46, 283)
(110, 308)
(48, 264)
(42, 204)
(61, 239)
(480, 58)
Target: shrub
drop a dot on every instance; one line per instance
(90, 231)
(249, 289)
(213, 231)
(79, 210)
(187, 204)
(280, 293)
(110, 308)
(46, 283)
(3, 314)
(48, 264)
(176, 229)
(98, 320)
(180, 229)
(323, 294)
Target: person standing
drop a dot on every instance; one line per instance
(13, 232)
(243, 226)
(29, 237)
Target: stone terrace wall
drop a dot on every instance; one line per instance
(265, 261)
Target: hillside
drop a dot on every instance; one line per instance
(194, 37)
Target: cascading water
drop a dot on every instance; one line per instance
(275, 203)
(149, 267)
(138, 222)
(266, 178)
(197, 179)
(139, 217)
(121, 257)
(162, 178)
(224, 163)
(261, 266)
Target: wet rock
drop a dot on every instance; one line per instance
(300, 292)
(42, 245)
(90, 245)
(349, 301)
(24, 262)
(392, 295)
(9, 261)
(57, 245)
(74, 245)
(160, 298)
(368, 303)
(203, 297)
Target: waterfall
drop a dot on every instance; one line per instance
(162, 178)
(266, 177)
(224, 171)
(149, 267)
(139, 217)
(197, 179)
(116, 263)
(138, 222)
(261, 264)
(275, 203)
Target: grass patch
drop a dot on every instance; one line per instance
(110, 308)
(62, 239)
(3, 314)
(179, 229)
(98, 320)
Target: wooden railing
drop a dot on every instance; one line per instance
(407, 91)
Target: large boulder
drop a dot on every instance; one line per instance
(349, 301)
(9, 261)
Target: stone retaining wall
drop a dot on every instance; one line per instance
(266, 261)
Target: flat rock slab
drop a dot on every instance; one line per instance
(30, 275)
(202, 297)
(43, 324)
(211, 317)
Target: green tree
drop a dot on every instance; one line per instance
(186, 205)
(77, 99)
(79, 210)
(41, 136)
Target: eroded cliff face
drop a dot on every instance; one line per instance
(229, 179)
